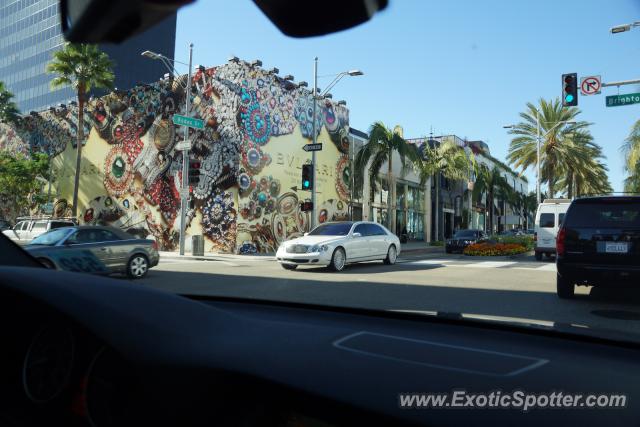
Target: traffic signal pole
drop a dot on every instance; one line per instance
(314, 211)
(185, 158)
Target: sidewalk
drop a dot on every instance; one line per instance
(414, 247)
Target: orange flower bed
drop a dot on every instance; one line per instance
(494, 249)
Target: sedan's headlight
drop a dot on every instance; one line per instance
(318, 248)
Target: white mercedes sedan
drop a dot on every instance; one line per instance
(335, 244)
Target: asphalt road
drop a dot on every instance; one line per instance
(519, 289)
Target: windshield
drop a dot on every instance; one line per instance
(331, 230)
(433, 131)
(52, 237)
(465, 234)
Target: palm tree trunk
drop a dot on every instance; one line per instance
(551, 184)
(570, 184)
(80, 139)
(437, 216)
(491, 211)
(389, 176)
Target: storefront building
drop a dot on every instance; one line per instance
(250, 154)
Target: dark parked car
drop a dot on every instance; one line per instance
(599, 244)
(95, 249)
(464, 238)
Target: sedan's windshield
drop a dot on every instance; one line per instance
(52, 237)
(341, 229)
(465, 234)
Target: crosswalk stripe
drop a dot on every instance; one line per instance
(429, 262)
(547, 267)
(490, 264)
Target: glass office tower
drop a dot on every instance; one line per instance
(30, 33)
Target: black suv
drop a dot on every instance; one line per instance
(598, 244)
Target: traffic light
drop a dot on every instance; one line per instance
(306, 206)
(194, 171)
(307, 177)
(570, 90)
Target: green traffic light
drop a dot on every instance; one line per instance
(568, 98)
(305, 184)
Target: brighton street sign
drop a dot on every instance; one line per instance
(626, 99)
(188, 121)
(312, 147)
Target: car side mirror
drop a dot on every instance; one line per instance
(357, 235)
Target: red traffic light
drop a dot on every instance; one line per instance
(568, 79)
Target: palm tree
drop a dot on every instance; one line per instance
(631, 150)
(585, 173)
(491, 183)
(8, 109)
(84, 67)
(556, 151)
(442, 160)
(529, 206)
(378, 150)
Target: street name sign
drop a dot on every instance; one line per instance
(183, 145)
(590, 85)
(626, 99)
(312, 147)
(191, 122)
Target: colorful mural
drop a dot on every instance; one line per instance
(250, 153)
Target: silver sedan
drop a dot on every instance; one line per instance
(335, 244)
(95, 249)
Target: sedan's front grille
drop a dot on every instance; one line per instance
(297, 249)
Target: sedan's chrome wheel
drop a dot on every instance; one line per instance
(392, 255)
(138, 267)
(338, 260)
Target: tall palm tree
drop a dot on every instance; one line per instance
(441, 160)
(378, 150)
(585, 173)
(631, 150)
(8, 109)
(491, 183)
(84, 67)
(555, 150)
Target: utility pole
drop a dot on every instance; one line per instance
(185, 158)
(314, 211)
(538, 157)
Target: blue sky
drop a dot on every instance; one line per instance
(462, 67)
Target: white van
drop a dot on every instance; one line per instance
(548, 219)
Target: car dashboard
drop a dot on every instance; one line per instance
(91, 351)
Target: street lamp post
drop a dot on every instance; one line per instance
(316, 98)
(185, 153)
(624, 27)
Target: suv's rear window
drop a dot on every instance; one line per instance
(603, 215)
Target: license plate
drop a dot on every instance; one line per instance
(616, 247)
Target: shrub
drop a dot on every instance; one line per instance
(437, 243)
(494, 249)
(526, 241)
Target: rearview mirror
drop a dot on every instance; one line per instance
(357, 235)
(114, 21)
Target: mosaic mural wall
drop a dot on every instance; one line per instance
(250, 152)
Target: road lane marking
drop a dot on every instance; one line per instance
(547, 267)
(429, 262)
(490, 264)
